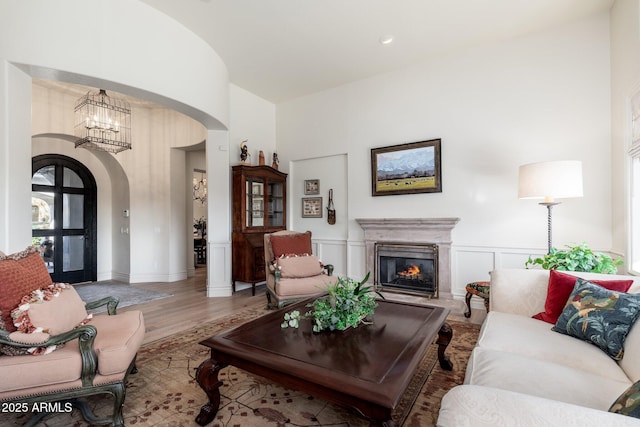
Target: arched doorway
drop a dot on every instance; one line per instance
(63, 215)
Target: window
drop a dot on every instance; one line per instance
(634, 201)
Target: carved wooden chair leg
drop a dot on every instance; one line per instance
(269, 304)
(117, 390)
(133, 369)
(467, 299)
(480, 289)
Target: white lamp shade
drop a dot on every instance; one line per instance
(550, 180)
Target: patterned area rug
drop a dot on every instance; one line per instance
(164, 391)
(127, 294)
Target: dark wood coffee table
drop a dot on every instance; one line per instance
(366, 368)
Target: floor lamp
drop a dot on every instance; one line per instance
(550, 181)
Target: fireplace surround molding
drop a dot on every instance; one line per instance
(411, 231)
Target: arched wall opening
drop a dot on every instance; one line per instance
(113, 197)
(178, 71)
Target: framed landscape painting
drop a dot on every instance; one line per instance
(406, 168)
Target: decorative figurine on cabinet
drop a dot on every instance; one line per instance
(244, 152)
(275, 162)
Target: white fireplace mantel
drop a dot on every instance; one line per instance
(413, 230)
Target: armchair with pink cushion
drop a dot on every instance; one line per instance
(53, 350)
(293, 272)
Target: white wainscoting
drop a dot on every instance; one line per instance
(357, 259)
(468, 263)
(332, 251)
(474, 263)
(219, 269)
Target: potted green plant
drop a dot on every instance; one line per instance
(346, 304)
(577, 258)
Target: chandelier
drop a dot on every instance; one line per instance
(103, 123)
(200, 187)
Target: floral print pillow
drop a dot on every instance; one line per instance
(629, 402)
(599, 316)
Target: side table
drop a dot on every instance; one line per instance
(480, 289)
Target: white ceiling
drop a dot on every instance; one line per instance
(282, 49)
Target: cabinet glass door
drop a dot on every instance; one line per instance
(255, 202)
(275, 212)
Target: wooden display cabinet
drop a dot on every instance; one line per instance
(259, 207)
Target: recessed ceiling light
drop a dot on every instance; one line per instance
(388, 39)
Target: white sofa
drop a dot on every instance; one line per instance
(523, 373)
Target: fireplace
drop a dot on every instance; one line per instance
(409, 268)
(418, 232)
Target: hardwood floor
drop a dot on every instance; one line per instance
(189, 306)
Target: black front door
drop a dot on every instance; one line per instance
(63, 215)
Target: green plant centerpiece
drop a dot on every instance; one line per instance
(346, 304)
(577, 258)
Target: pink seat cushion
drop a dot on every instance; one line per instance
(22, 372)
(118, 340)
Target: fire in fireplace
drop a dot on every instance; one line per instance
(410, 268)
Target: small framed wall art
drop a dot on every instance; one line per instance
(406, 169)
(311, 186)
(312, 207)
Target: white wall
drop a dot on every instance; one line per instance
(541, 97)
(254, 119)
(15, 158)
(157, 181)
(329, 243)
(625, 81)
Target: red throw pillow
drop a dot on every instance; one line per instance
(291, 244)
(559, 290)
(20, 273)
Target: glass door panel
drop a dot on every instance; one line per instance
(45, 176)
(255, 202)
(275, 212)
(47, 249)
(247, 204)
(71, 179)
(72, 253)
(42, 210)
(73, 212)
